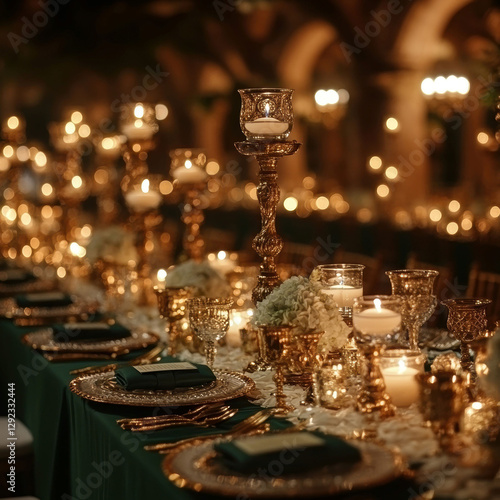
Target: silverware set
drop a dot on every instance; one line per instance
(202, 416)
(255, 424)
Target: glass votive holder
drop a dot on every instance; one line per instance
(188, 165)
(399, 367)
(343, 282)
(144, 194)
(266, 114)
(138, 121)
(332, 391)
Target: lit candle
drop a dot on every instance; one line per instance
(142, 200)
(400, 384)
(343, 295)
(189, 173)
(222, 262)
(266, 126)
(139, 130)
(161, 276)
(237, 321)
(376, 320)
(109, 147)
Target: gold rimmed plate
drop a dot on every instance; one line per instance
(79, 309)
(38, 285)
(102, 388)
(198, 468)
(43, 340)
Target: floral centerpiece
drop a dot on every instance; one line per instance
(298, 302)
(200, 275)
(113, 245)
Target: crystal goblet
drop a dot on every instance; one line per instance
(467, 322)
(376, 320)
(415, 287)
(172, 304)
(209, 319)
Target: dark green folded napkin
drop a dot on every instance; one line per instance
(295, 451)
(85, 332)
(164, 376)
(43, 299)
(16, 276)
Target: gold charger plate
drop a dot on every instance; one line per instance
(28, 287)
(102, 388)
(29, 316)
(43, 340)
(196, 468)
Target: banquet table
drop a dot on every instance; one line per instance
(81, 452)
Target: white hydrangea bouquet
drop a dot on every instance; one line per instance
(113, 245)
(200, 275)
(299, 302)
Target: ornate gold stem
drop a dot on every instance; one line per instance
(193, 217)
(267, 243)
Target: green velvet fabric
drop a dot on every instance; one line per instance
(68, 333)
(32, 300)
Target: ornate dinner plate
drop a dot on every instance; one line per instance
(43, 340)
(28, 287)
(28, 316)
(101, 387)
(197, 468)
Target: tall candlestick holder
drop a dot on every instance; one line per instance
(266, 119)
(188, 171)
(143, 199)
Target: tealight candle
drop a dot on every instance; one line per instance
(376, 320)
(343, 295)
(189, 173)
(139, 130)
(400, 384)
(266, 127)
(142, 200)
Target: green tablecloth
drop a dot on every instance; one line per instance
(80, 451)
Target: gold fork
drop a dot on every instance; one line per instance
(247, 426)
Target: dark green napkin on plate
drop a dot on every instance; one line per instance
(43, 299)
(295, 451)
(89, 332)
(16, 277)
(169, 375)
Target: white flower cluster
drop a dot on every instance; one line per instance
(207, 281)
(113, 244)
(299, 302)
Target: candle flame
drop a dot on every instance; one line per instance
(139, 111)
(221, 255)
(145, 186)
(267, 109)
(161, 275)
(476, 405)
(402, 365)
(188, 163)
(378, 304)
(138, 123)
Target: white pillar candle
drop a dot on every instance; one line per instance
(138, 130)
(142, 200)
(189, 173)
(266, 126)
(376, 320)
(401, 385)
(343, 295)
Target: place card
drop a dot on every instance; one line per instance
(86, 326)
(165, 367)
(261, 445)
(45, 296)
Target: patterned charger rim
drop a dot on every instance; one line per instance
(248, 386)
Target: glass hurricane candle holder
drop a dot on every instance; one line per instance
(376, 321)
(399, 367)
(277, 343)
(266, 114)
(467, 322)
(442, 402)
(173, 307)
(138, 121)
(332, 386)
(415, 287)
(209, 318)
